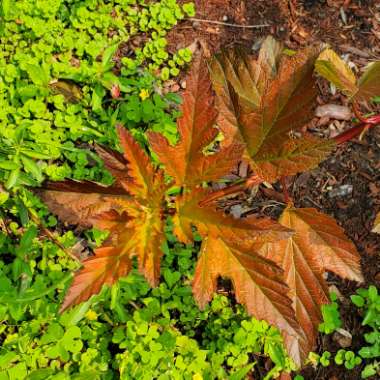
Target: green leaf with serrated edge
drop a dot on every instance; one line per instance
(369, 83)
(330, 66)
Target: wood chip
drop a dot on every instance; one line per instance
(333, 111)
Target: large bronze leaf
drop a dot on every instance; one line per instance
(131, 210)
(257, 282)
(261, 103)
(318, 245)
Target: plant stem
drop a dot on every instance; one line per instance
(285, 190)
(236, 188)
(37, 220)
(357, 113)
(351, 133)
(366, 123)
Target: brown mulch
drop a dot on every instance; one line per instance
(347, 184)
(350, 26)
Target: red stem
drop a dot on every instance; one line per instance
(358, 113)
(285, 190)
(249, 182)
(366, 123)
(351, 133)
(373, 120)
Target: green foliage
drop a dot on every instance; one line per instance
(371, 369)
(368, 302)
(323, 360)
(331, 317)
(63, 81)
(348, 358)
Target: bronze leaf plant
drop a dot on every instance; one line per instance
(276, 267)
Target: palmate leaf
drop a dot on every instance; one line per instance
(131, 210)
(318, 245)
(330, 66)
(257, 282)
(186, 162)
(249, 251)
(236, 75)
(261, 102)
(229, 249)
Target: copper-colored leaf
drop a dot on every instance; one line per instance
(261, 112)
(105, 268)
(235, 74)
(140, 168)
(117, 164)
(318, 245)
(293, 156)
(247, 232)
(147, 228)
(376, 225)
(257, 281)
(83, 187)
(268, 62)
(229, 249)
(187, 162)
(136, 229)
(77, 202)
(131, 210)
(74, 208)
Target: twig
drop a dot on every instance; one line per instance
(229, 24)
(3, 225)
(49, 234)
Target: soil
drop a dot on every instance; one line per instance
(347, 184)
